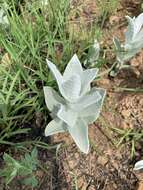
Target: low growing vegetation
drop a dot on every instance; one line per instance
(39, 40)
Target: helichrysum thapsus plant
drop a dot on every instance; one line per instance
(133, 41)
(93, 55)
(77, 106)
(138, 165)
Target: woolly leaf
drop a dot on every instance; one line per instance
(86, 79)
(68, 115)
(73, 67)
(93, 54)
(55, 72)
(80, 135)
(54, 127)
(52, 98)
(3, 17)
(88, 99)
(138, 165)
(70, 89)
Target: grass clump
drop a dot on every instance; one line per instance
(35, 31)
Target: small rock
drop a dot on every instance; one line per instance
(126, 113)
(105, 83)
(125, 125)
(39, 173)
(72, 164)
(102, 160)
(114, 19)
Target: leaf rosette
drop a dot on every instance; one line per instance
(78, 106)
(133, 39)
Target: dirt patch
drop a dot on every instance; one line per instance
(82, 16)
(105, 167)
(131, 109)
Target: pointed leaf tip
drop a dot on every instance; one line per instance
(54, 127)
(79, 134)
(57, 75)
(73, 67)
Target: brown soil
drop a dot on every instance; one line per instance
(105, 167)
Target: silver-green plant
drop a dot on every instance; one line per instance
(3, 17)
(78, 106)
(138, 165)
(45, 2)
(133, 42)
(93, 55)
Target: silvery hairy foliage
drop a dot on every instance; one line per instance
(133, 41)
(3, 17)
(93, 55)
(44, 2)
(138, 165)
(77, 106)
